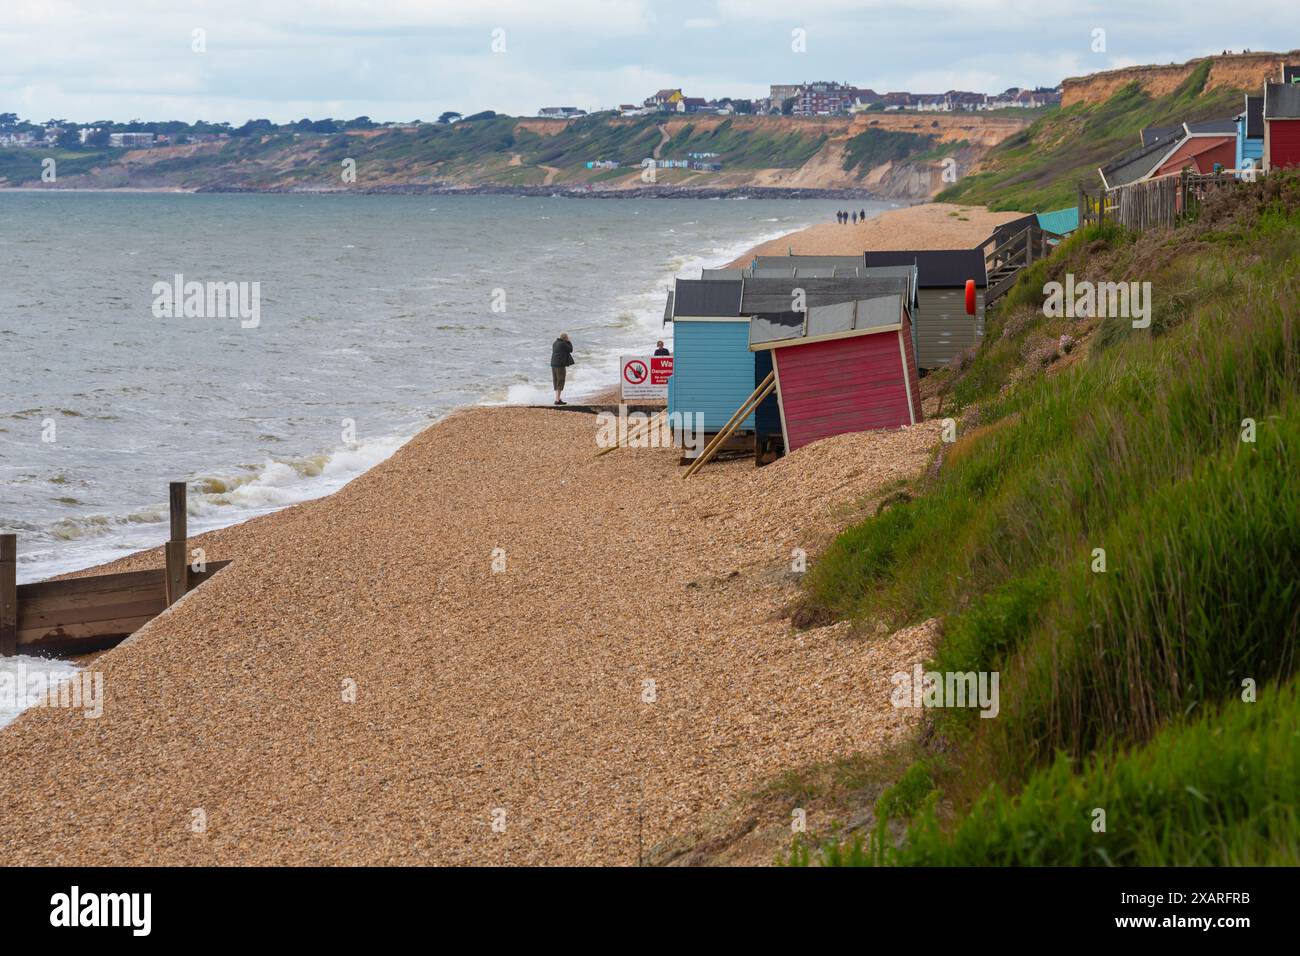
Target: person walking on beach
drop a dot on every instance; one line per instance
(660, 350)
(862, 216)
(561, 359)
(855, 219)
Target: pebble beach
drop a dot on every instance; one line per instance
(492, 648)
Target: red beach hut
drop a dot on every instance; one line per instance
(843, 367)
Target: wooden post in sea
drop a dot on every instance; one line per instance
(176, 557)
(8, 595)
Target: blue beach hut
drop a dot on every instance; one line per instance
(1250, 134)
(713, 368)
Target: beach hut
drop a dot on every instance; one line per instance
(846, 363)
(796, 273)
(713, 369)
(1250, 134)
(1059, 223)
(1281, 116)
(943, 327)
(1203, 147)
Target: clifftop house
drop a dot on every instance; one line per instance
(664, 100)
(560, 112)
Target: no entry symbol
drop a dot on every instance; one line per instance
(635, 372)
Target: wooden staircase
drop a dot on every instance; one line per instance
(1011, 252)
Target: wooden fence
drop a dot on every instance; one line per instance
(1154, 203)
(80, 615)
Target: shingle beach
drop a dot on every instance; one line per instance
(630, 667)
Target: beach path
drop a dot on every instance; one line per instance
(629, 669)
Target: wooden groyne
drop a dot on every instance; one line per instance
(81, 615)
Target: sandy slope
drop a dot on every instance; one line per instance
(523, 690)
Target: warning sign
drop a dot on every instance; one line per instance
(645, 376)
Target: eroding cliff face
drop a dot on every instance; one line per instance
(1245, 71)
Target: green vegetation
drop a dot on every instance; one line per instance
(1169, 457)
(873, 147)
(24, 164)
(748, 148)
(1040, 167)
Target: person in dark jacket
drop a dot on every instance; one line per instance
(561, 359)
(659, 348)
(862, 216)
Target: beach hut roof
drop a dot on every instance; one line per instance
(770, 295)
(1059, 222)
(706, 297)
(1135, 164)
(837, 320)
(805, 262)
(810, 272)
(1281, 101)
(1156, 134)
(668, 309)
(936, 268)
(732, 274)
(1216, 127)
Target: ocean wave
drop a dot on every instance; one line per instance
(215, 501)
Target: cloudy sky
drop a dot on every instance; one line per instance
(84, 60)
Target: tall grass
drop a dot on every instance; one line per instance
(1108, 538)
(1218, 790)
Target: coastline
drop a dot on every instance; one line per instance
(488, 189)
(478, 690)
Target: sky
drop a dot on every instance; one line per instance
(400, 60)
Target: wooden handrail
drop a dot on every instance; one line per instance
(1008, 242)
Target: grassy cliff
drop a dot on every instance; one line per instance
(1039, 168)
(1159, 686)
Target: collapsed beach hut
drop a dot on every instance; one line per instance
(844, 364)
(713, 369)
(943, 329)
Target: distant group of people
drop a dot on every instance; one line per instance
(843, 217)
(562, 358)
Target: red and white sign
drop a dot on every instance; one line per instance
(645, 376)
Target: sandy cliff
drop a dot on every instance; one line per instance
(1246, 71)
